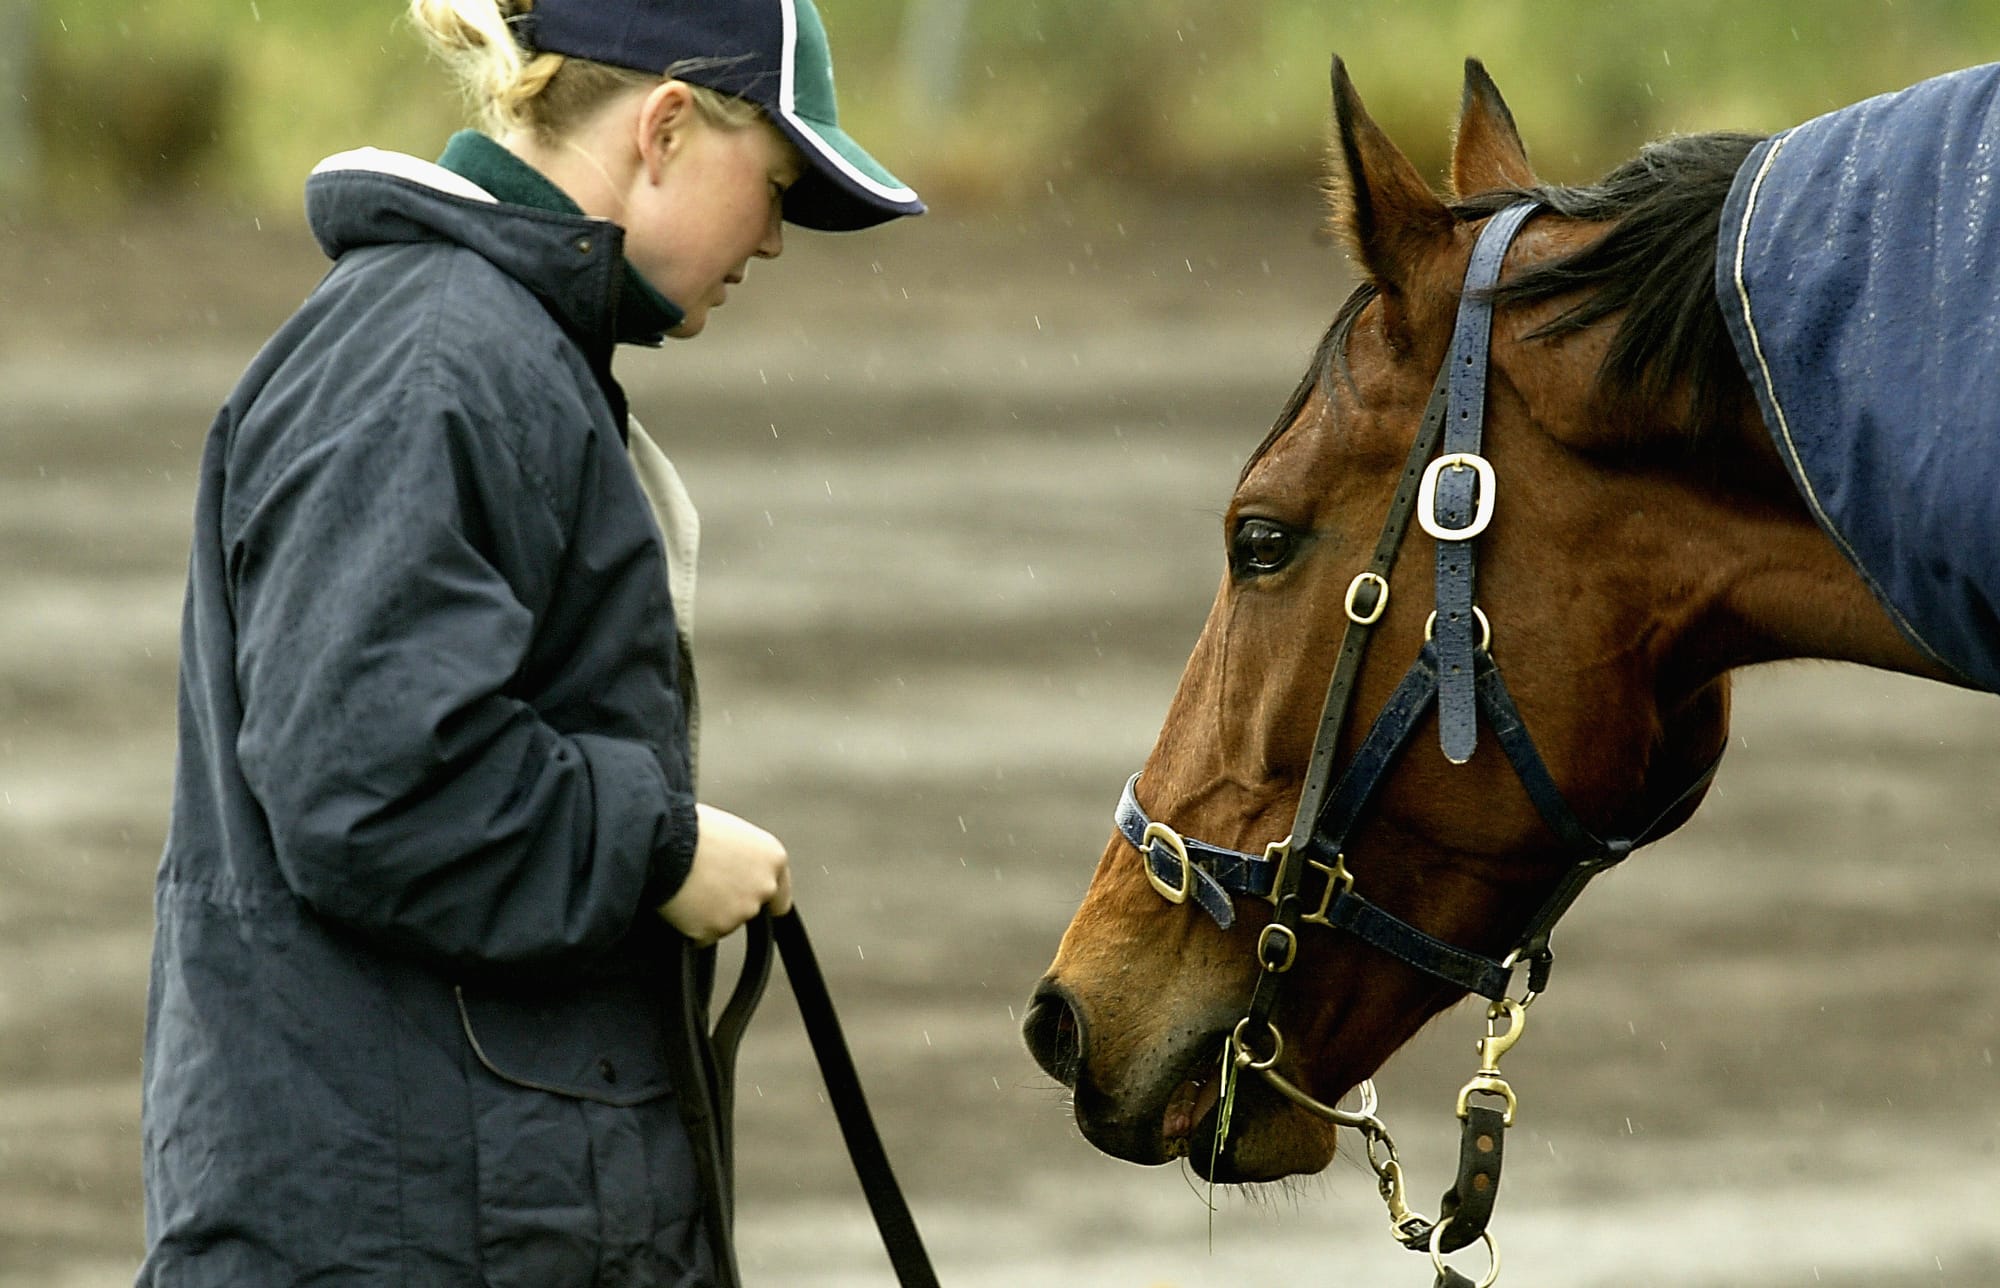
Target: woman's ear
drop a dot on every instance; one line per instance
(666, 114)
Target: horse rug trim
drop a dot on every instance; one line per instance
(1857, 266)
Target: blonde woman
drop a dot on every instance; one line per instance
(435, 852)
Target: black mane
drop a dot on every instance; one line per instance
(1655, 264)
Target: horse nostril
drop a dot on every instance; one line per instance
(1053, 1034)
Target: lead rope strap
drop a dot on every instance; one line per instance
(703, 1069)
(893, 1221)
(691, 1065)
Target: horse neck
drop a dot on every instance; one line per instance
(1773, 584)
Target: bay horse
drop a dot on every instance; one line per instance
(1400, 777)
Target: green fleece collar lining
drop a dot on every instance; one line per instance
(642, 310)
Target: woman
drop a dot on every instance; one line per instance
(435, 850)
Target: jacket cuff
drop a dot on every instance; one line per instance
(673, 851)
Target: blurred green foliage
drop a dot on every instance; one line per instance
(998, 98)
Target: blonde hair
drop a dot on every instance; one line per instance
(544, 95)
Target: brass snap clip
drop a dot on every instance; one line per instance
(1496, 1043)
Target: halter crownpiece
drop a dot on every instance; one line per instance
(1451, 490)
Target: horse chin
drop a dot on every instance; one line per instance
(1269, 1139)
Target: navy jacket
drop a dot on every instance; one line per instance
(406, 1023)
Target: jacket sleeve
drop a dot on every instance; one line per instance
(382, 586)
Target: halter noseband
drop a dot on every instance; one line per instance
(1449, 488)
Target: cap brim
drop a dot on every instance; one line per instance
(842, 188)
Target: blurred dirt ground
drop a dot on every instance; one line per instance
(960, 484)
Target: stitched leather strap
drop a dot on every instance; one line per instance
(1457, 631)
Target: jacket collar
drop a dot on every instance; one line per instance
(642, 311)
(574, 264)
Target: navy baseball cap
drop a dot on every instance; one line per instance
(771, 52)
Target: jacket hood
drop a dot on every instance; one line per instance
(572, 263)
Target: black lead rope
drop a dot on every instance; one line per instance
(704, 1070)
(850, 1107)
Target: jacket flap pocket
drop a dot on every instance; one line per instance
(604, 1040)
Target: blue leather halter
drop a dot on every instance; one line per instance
(1451, 493)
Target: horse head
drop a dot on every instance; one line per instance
(1638, 538)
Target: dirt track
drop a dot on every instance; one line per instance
(960, 484)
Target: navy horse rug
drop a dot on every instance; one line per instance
(1858, 268)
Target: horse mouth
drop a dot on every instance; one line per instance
(1190, 1113)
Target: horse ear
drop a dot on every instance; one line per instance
(1489, 154)
(1380, 206)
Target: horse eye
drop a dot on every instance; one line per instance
(1260, 546)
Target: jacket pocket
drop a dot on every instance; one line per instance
(583, 1168)
(605, 1041)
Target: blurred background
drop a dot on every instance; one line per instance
(109, 102)
(961, 481)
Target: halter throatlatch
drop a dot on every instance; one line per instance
(1450, 490)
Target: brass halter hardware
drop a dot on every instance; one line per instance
(1485, 629)
(1495, 1044)
(1338, 881)
(1164, 835)
(1373, 613)
(1492, 1255)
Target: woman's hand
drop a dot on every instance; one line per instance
(739, 868)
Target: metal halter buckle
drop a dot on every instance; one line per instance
(1373, 613)
(1427, 496)
(1165, 835)
(1277, 965)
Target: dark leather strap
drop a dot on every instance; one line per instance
(850, 1107)
(691, 1065)
(1457, 630)
(1391, 731)
(1473, 972)
(1468, 1204)
(1355, 635)
(728, 1034)
(703, 1067)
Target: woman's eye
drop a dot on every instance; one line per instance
(1260, 546)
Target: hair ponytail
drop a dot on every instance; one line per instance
(511, 88)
